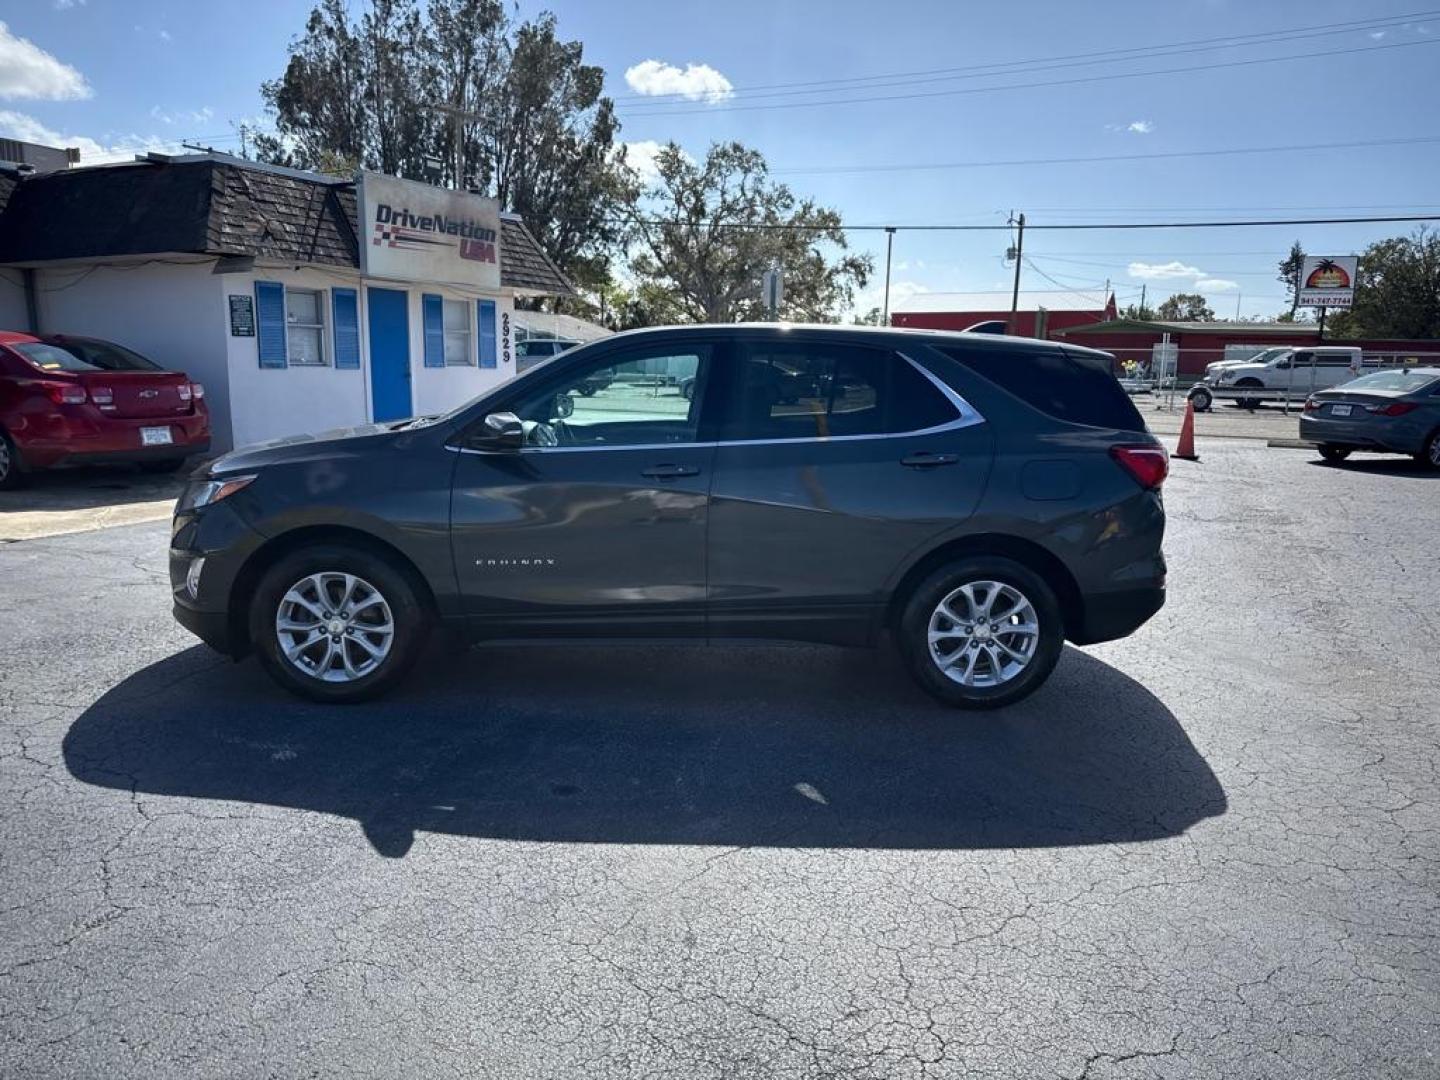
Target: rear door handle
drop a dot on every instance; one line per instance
(670, 472)
(927, 460)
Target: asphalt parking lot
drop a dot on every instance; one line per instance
(1207, 851)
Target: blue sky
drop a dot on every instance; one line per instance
(117, 75)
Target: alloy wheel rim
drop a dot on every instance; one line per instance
(1435, 451)
(983, 634)
(334, 627)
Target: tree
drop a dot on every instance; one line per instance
(870, 318)
(457, 94)
(704, 233)
(1398, 291)
(1185, 307)
(1289, 275)
(1137, 312)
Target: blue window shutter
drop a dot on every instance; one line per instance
(347, 328)
(433, 310)
(485, 316)
(270, 323)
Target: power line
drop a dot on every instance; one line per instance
(828, 170)
(1119, 225)
(1036, 64)
(1079, 80)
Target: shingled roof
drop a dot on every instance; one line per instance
(213, 207)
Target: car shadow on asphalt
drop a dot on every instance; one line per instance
(1403, 467)
(732, 746)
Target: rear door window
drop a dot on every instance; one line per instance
(809, 391)
(1068, 386)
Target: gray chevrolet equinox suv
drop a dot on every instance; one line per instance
(981, 499)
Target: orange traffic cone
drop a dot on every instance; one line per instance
(1186, 450)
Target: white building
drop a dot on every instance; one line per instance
(302, 302)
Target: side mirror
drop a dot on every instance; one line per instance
(500, 431)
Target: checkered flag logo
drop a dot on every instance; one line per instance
(383, 235)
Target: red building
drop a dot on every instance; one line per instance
(1201, 343)
(1040, 314)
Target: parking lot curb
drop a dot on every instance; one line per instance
(1291, 444)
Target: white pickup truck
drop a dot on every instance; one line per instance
(1279, 374)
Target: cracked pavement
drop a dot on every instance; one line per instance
(1206, 851)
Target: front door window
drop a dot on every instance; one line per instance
(637, 400)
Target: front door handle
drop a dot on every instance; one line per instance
(670, 472)
(926, 460)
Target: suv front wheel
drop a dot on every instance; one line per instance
(982, 632)
(336, 624)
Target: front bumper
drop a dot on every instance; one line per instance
(219, 535)
(211, 627)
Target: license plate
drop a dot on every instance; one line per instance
(1339, 410)
(155, 436)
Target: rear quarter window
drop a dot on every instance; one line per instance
(1076, 388)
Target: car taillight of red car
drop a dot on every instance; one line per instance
(65, 393)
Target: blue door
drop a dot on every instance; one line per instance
(389, 354)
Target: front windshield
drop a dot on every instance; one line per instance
(1401, 382)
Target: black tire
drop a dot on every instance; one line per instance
(1429, 454)
(1334, 454)
(914, 629)
(11, 474)
(1202, 399)
(411, 621)
(167, 465)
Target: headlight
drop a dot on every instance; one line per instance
(204, 492)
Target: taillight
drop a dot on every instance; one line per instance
(65, 393)
(198, 389)
(1311, 405)
(184, 391)
(1395, 408)
(1147, 465)
(102, 396)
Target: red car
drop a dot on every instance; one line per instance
(80, 401)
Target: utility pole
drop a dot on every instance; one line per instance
(1142, 300)
(889, 245)
(458, 115)
(1019, 257)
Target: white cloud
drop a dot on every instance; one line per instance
(188, 116)
(1163, 271)
(874, 295)
(1215, 284)
(640, 157)
(16, 125)
(28, 71)
(66, 5)
(164, 35)
(1141, 127)
(697, 82)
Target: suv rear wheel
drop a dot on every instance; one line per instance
(982, 632)
(336, 624)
